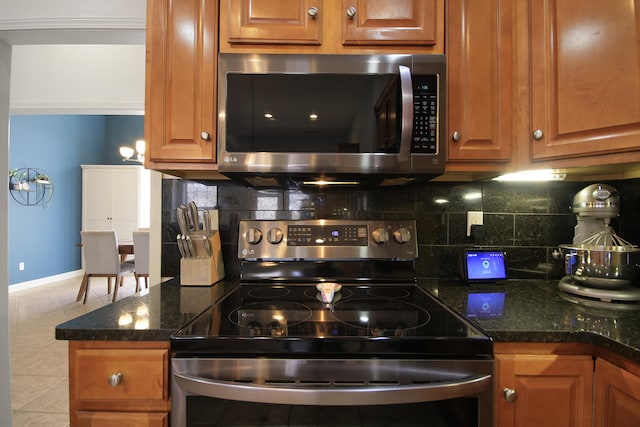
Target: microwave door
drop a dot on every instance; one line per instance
(406, 129)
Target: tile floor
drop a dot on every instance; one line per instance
(39, 363)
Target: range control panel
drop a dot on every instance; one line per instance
(327, 239)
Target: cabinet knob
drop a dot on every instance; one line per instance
(313, 12)
(204, 136)
(538, 134)
(351, 12)
(456, 136)
(114, 379)
(510, 395)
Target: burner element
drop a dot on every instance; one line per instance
(279, 316)
(381, 317)
(269, 292)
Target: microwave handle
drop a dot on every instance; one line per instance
(406, 127)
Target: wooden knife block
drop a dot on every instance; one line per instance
(203, 270)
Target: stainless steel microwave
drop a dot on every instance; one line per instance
(292, 119)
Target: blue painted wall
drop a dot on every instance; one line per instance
(45, 238)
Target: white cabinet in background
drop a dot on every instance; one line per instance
(115, 198)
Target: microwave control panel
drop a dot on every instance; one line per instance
(425, 114)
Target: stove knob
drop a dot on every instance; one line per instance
(380, 235)
(275, 236)
(402, 235)
(253, 236)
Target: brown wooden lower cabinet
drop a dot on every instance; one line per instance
(617, 396)
(544, 390)
(119, 383)
(564, 384)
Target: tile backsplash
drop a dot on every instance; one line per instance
(528, 221)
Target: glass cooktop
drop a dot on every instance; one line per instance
(294, 319)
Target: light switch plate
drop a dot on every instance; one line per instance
(473, 218)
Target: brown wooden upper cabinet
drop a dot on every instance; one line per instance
(542, 83)
(585, 77)
(480, 80)
(331, 26)
(180, 116)
(399, 22)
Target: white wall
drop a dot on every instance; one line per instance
(5, 379)
(77, 79)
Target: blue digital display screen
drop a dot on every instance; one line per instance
(481, 305)
(484, 265)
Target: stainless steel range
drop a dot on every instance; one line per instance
(328, 326)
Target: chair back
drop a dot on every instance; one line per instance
(100, 252)
(141, 251)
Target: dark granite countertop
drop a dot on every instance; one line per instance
(534, 311)
(157, 314)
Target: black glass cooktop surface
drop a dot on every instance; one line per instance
(357, 320)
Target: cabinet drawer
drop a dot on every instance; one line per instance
(142, 374)
(119, 419)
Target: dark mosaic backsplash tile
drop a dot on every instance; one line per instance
(528, 220)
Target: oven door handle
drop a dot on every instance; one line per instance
(334, 396)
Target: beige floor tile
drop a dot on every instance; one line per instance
(39, 362)
(39, 419)
(27, 388)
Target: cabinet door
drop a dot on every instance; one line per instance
(549, 390)
(480, 79)
(96, 202)
(111, 199)
(275, 21)
(398, 22)
(125, 202)
(617, 399)
(585, 77)
(181, 81)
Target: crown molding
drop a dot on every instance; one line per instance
(98, 23)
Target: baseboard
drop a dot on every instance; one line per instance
(45, 280)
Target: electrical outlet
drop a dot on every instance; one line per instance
(21, 266)
(473, 218)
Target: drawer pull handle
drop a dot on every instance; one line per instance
(114, 379)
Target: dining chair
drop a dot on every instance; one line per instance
(141, 257)
(101, 259)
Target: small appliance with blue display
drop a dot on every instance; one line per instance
(484, 265)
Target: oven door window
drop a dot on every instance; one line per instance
(207, 411)
(313, 113)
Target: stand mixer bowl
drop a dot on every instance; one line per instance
(602, 266)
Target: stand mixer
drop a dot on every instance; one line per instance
(602, 268)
